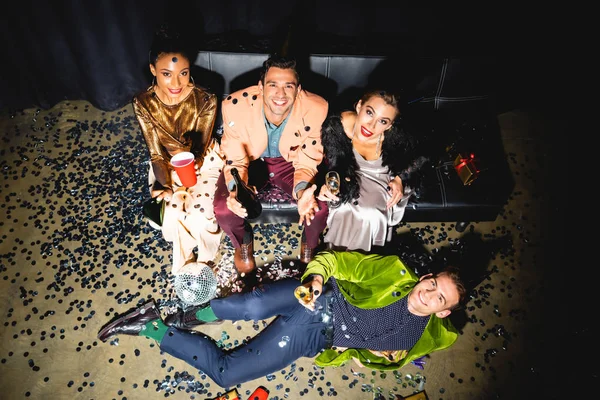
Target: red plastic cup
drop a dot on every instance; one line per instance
(183, 164)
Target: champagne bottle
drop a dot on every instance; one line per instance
(246, 196)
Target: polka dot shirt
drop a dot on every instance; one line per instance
(388, 328)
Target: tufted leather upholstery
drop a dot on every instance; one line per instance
(451, 99)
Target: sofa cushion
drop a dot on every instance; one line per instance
(278, 206)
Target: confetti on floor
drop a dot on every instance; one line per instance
(75, 251)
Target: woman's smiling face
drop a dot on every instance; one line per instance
(172, 72)
(373, 117)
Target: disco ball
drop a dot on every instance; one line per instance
(197, 287)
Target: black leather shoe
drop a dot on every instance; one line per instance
(132, 323)
(187, 319)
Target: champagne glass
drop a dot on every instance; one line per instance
(332, 181)
(304, 293)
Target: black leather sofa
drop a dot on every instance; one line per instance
(450, 100)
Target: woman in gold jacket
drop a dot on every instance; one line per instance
(175, 116)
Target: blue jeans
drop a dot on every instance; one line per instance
(295, 332)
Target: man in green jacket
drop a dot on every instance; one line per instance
(349, 305)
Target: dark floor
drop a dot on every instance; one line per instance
(74, 251)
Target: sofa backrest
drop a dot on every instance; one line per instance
(346, 71)
(459, 85)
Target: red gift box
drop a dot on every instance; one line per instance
(466, 169)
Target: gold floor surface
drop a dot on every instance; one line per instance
(74, 251)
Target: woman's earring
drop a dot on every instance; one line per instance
(154, 80)
(192, 79)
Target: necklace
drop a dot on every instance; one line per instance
(377, 148)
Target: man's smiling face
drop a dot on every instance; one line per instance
(433, 296)
(279, 93)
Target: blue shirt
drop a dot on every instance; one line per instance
(274, 133)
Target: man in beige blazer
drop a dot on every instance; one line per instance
(274, 127)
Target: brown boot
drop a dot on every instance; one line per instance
(244, 258)
(306, 253)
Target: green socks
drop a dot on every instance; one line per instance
(154, 329)
(206, 314)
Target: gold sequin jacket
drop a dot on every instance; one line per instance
(171, 129)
